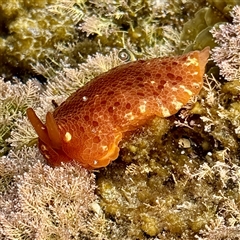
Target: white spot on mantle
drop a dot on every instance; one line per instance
(67, 137)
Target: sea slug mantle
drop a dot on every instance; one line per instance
(89, 125)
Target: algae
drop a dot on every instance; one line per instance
(178, 172)
(65, 32)
(196, 31)
(29, 33)
(176, 178)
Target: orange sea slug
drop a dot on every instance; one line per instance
(89, 125)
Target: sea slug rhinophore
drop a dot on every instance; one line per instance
(89, 125)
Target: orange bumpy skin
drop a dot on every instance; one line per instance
(89, 125)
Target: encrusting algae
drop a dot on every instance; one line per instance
(176, 177)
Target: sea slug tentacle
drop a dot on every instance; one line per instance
(53, 131)
(89, 125)
(39, 127)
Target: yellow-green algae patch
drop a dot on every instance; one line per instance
(196, 30)
(67, 32)
(224, 6)
(29, 34)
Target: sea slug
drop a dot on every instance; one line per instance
(89, 125)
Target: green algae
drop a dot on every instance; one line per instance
(29, 34)
(196, 30)
(153, 194)
(46, 31)
(224, 6)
